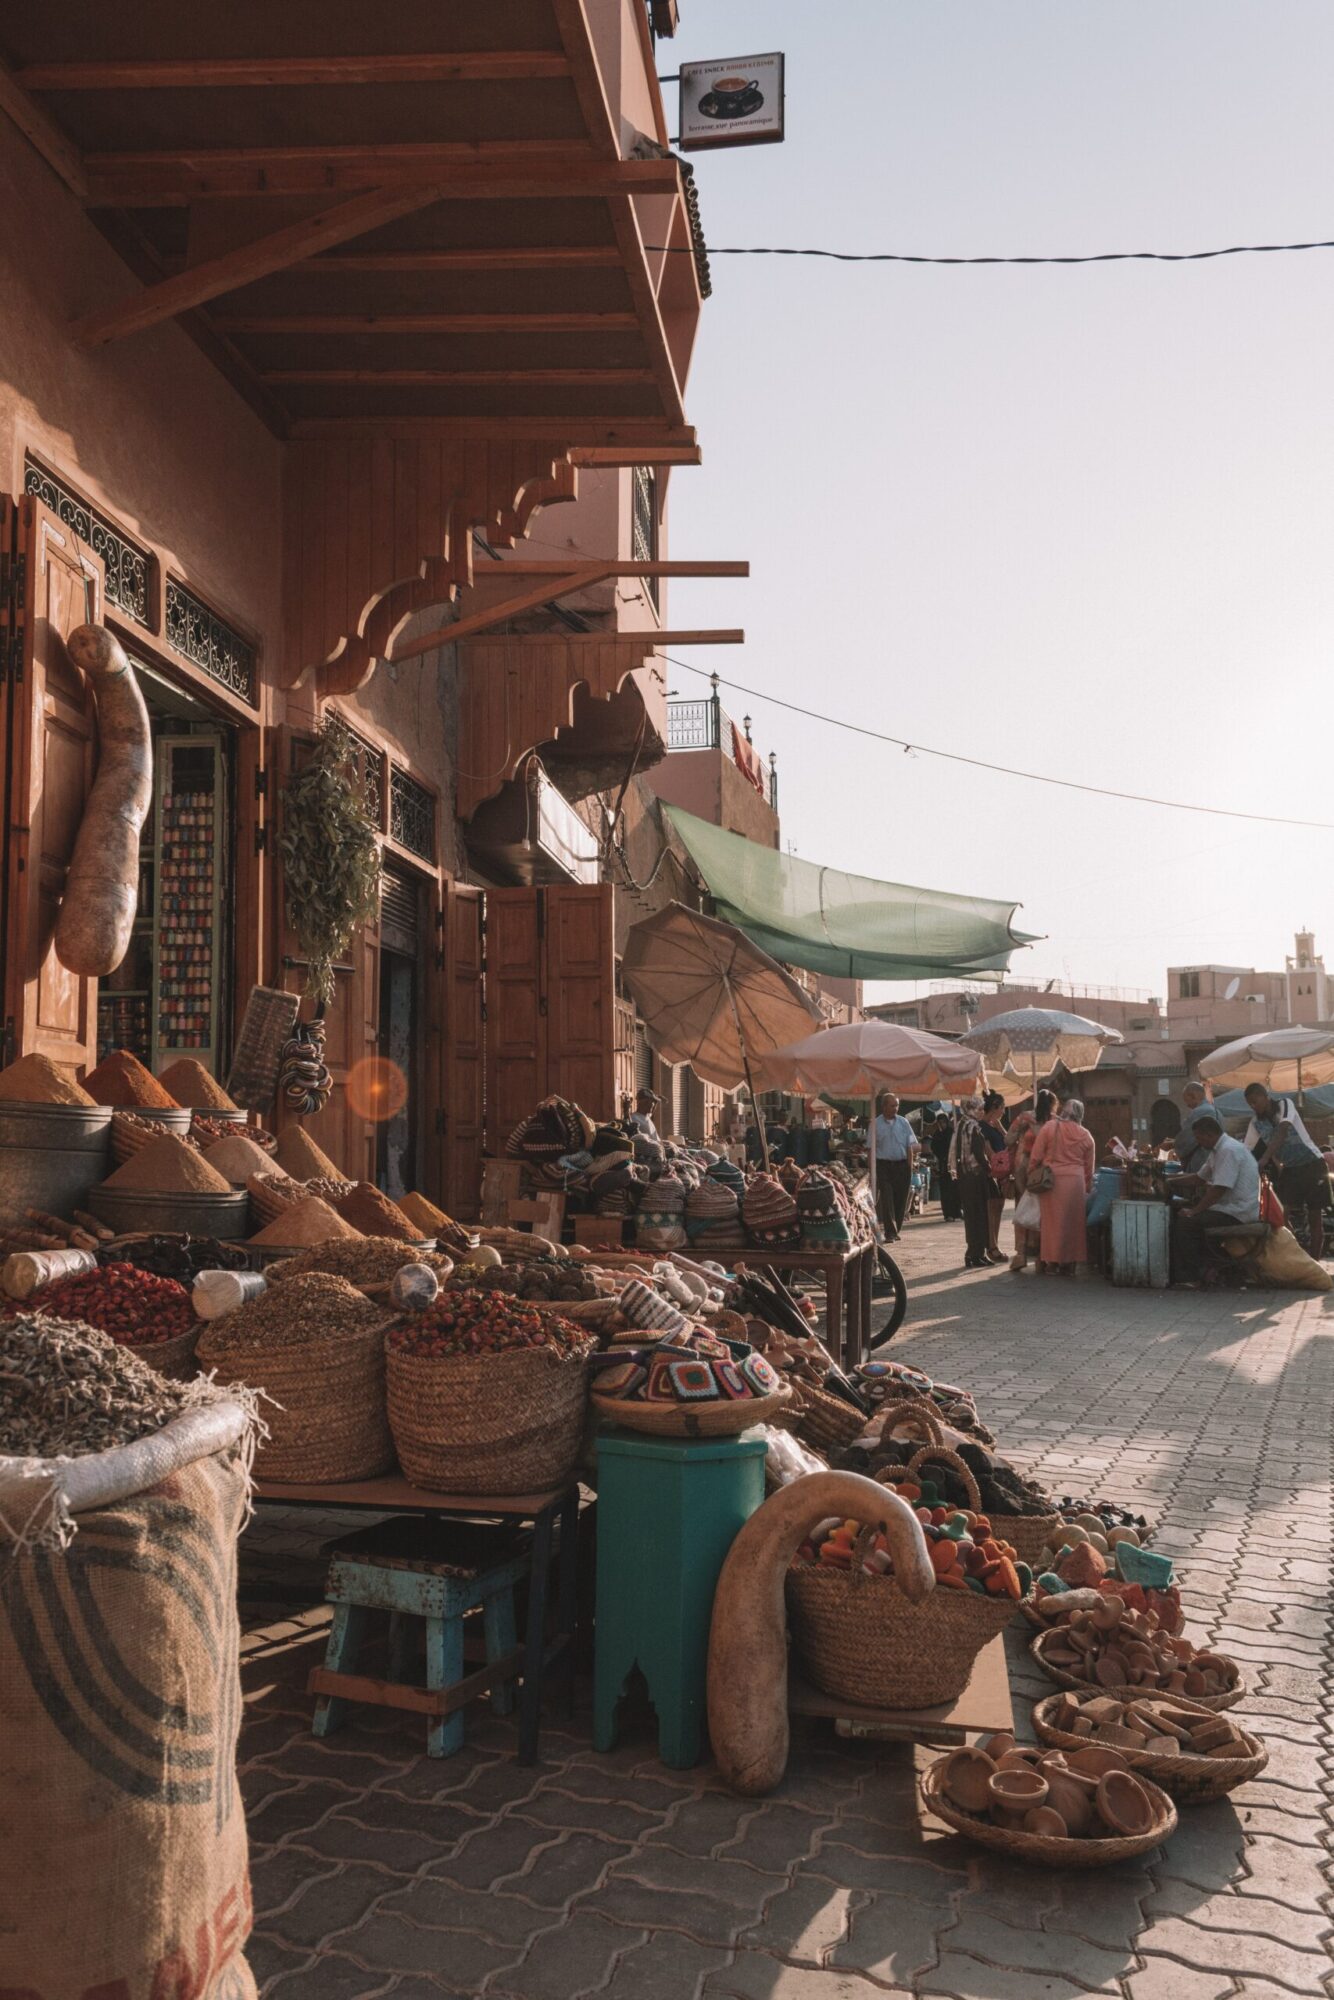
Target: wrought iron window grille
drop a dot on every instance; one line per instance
(127, 566)
(411, 815)
(209, 644)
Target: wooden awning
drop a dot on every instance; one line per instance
(405, 221)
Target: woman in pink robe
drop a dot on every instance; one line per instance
(1063, 1145)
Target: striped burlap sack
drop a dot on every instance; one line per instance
(123, 1870)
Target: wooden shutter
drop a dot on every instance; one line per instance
(50, 723)
(515, 1020)
(352, 1022)
(462, 1069)
(580, 996)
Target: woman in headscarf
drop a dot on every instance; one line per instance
(970, 1164)
(993, 1131)
(1063, 1146)
(1024, 1131)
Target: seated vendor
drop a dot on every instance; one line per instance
(1229, 1192)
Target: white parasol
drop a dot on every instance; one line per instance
(1279, 1058)
(1037, 1038)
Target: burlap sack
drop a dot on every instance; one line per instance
(123, 1872)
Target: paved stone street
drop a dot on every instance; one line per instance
(378, 1871)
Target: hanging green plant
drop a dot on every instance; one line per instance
(331, 857)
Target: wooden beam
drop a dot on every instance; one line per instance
(390, 323)
(199, 282)
(456, 378)
(527, 257)
(249, 72)
(576, 36)
(648, 454)
(41, 131)
(630, 434)
(504, 566)
(716, 636)
(570, 576)
(634, 258)
(481, 170)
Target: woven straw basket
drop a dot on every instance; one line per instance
(691, 1420)
(173, 1358)
(1042, 1848)
(860, 1639)
(1064, 1678)
(911, 1413)
(326, 1416)
(494, 1423)
(1190, 1780)
(1027, 1534)
(822, 1420)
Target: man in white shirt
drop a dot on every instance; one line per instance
(896, 1151)
(641, 1118)
(1229, 1192)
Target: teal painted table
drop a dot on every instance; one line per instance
(668, 1512)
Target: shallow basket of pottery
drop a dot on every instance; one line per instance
(1080, 1808)
(1110, 1650)
(1193, 1752)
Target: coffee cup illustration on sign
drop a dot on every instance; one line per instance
(732, 97)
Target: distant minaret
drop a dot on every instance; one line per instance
(1307, 982)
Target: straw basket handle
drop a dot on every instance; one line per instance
(952, 1459)
(911, 1411)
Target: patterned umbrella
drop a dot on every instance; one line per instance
(1041, 1037)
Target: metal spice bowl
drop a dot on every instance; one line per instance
(51, 1155)
(137, 1210)
(172, 1118)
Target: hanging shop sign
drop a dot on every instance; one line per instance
(735, 101)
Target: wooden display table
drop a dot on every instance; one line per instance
(982, 1708)
(555, 1523)
(847, 1276)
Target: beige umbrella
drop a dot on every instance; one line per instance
(1279, 1058)
(711, 998)
(865, 1057)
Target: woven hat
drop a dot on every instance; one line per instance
(612, 1139)
(730, 1174)
(816, 1195)
(648, 1151)
(769, 1211)
(556, 1127)
(664, 1196)
(712, 1210)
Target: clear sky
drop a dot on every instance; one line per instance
(1076, 520)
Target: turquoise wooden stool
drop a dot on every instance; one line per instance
(418, 1569)
(668, 1512)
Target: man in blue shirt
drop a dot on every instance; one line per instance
(1195, 1105)
(896, 1150)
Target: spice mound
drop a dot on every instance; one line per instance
(66, 1389)
(131, 1305)
(312, 1306)
(305, 1222)
(168, 1166)
(38, 1080)
(298, 1155)
(236, 1158)
(121, 1079)
(363, 1260)
(470, 1323)
(190, 1083)
(375, 1215)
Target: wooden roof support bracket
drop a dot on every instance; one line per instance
(572, 576)
(41, 131)
(209, 280)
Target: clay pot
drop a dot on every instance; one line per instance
(1016, 1791)
(1070, 1796)
(967, 1777)
(1044, 1820)
(1095, 1760)
(1123, 1804)
(1018, 1760)
(999, 1745)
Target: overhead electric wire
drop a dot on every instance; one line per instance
(909, 257)
(1003, 770)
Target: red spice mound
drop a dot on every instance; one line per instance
(190, 1083)
(375, 1215)
(121, 1078)
(472, 1322)
(133, 1306)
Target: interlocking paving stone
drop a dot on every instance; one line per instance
(567, 1962)
(380, 1871)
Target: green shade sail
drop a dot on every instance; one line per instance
(846, 926)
